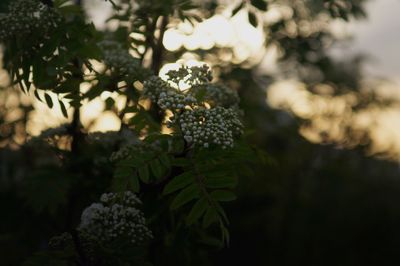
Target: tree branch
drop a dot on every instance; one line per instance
(158, 50)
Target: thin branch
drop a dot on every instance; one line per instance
(158, 50)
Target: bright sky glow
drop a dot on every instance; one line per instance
(247, 43)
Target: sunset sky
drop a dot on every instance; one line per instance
(379, 38)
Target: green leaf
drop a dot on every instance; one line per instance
(35, 92)
(221, 212)
(221, 182)
(63, 109)
(253, 19)
(133, 183)
(68, 85)
(129, 162)
(185, 196)
(223, 195)
(90, 51)
(124, 178)
(225, 234)
(260, 4)
(49, 101)
(144, 173)
(109, 103)
(238, 8)
(121, 178)
(210, 217)
(156, 169)
(178, 145)
(211, 241)
(153, 137)
(197, 211)
(165, 160)
(51, 70)
(40, 76)
(131, 109)
(179, 182)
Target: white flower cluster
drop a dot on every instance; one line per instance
(206, 127)
(153, 86)
(60, 240)
(133, 149)
(200, 125)
(174, 100)
(115, 217)
(119, 59)
(27, 19)
(165, 96)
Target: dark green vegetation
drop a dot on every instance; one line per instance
(272, 199)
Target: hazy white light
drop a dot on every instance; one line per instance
(241, 53)
(220, 30)
(290, 94)
(273, 15)
(173, 40)
(99, 12)
(43, 117)
(248, 37)
(167, 67)
(269, 63)
(107, 121)
(175, 66)
(216, 30)
(185, 27)
(106, 94)
(91, 110)
(192, 42)
(206, 43)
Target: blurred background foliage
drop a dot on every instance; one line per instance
(328, 195)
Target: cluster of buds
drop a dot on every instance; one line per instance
(173, 100)
(115, 217)
(166, 97)
(138, 147)
(206, 114)
(119, 59)
(205, 127)
(27, 20)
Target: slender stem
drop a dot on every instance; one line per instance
(200, 181)
(156, 63)
(75, 129)
(76, 122)
(150, 30)
(76, 144)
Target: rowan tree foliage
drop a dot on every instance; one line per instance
(181, 179)
(181, 182)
